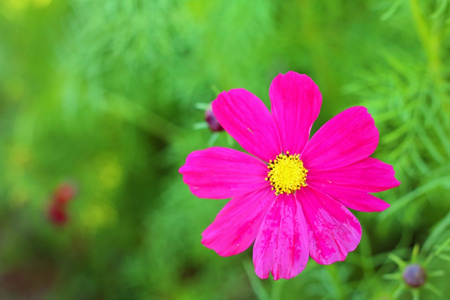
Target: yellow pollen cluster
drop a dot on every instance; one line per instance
(287, 174)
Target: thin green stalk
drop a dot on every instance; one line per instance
(337, 283)
(256, 284)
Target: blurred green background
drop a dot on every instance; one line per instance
(102, 95)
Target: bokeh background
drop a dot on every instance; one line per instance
(100, 103)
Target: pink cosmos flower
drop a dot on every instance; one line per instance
(289, 196)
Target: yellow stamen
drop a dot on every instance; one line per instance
(287, 173)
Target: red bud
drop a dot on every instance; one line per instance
(212, 121)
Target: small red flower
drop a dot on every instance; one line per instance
(62, 195)
(57, 214)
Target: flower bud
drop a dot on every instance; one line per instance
(212, 121)
(414, 275)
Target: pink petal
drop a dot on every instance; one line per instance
(354, 199)
(333, 230)
(219, 173)
(248, 120)
(296, 102)
(370, 175)
(281, 246)
(347, 138)
(351, 184)
(237, 224)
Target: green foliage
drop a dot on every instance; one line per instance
(104, 93)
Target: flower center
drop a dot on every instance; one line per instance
(287, 173)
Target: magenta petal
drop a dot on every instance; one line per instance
(347, 138)
(333, 230)
(351, 184)
(237, 224)
(248, 120)
(281, 246)
(354, 199)
(370, 175)
(219, 173)
(296, 102)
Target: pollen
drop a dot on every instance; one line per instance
(286, 174)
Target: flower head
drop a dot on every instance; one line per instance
(290, 193)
